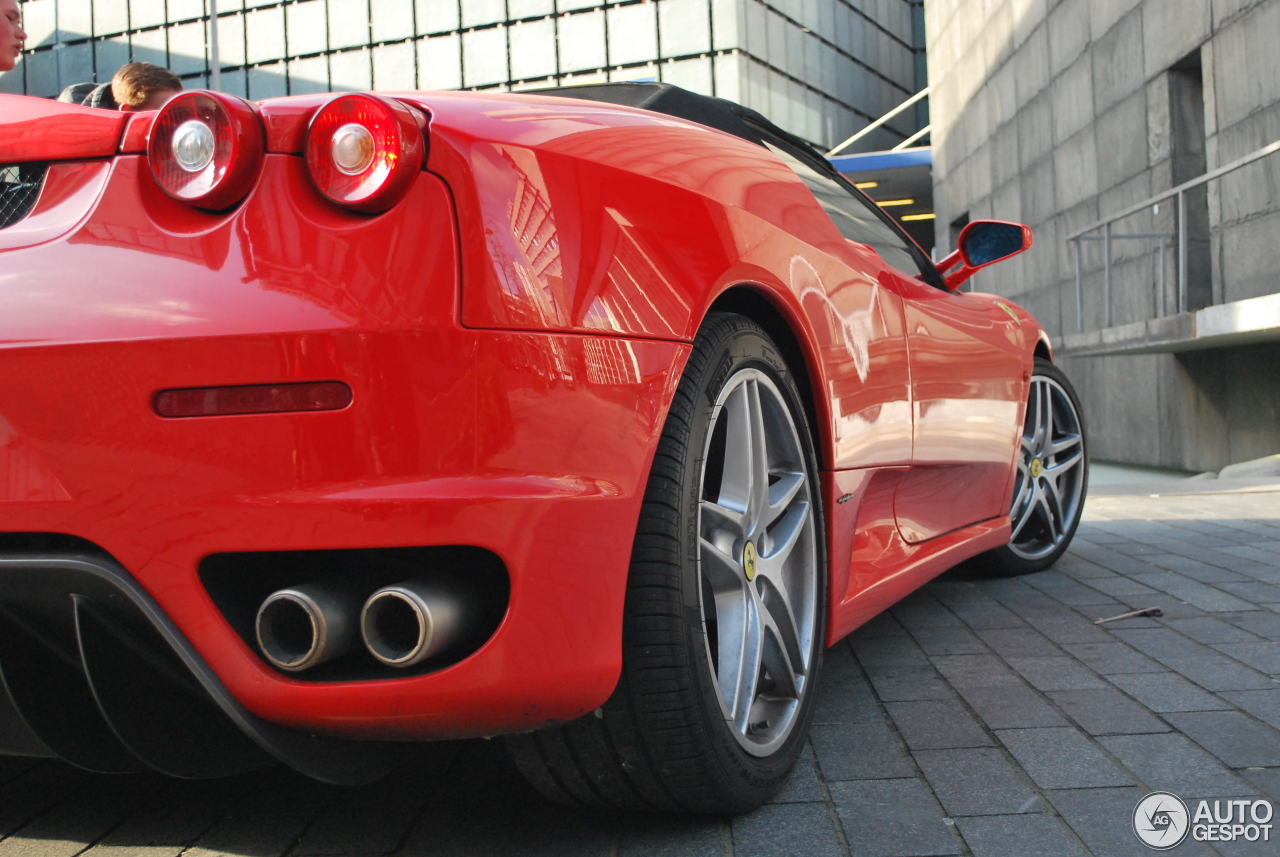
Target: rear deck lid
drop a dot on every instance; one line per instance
(39, 130)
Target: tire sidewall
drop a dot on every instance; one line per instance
(1005, 560)
(735, 345)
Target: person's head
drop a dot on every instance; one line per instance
(11, 34)
(143, 86)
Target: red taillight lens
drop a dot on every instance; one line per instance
(206, 149)
(363, 151)
(256, 399)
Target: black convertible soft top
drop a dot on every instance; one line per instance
(718, 113)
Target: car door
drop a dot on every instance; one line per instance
(967, 363)
(967, 384)
(965, 367)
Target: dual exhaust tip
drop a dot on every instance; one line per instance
(400, 625)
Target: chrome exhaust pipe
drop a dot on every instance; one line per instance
(407, 623)
(304, 626)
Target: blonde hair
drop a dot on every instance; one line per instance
(134, 83)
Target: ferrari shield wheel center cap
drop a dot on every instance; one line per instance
(749, 557)
(1037, 467)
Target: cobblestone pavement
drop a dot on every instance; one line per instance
(984, 717)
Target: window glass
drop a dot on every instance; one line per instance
(855, 220)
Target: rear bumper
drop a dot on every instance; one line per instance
(500, 441)
(535, 447)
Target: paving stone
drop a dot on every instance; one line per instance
(1069, 591)
(892, 818)
(803, 786)
(1262, 704)
(271, 819)
(1263, 623)
(36, 791)
(1202, 595)
(1195, 569)
(1060, 673)
(1117, 585)
(1010, 835)
(1218, 673)
(653, 835)
(948, 640)
(1061, 758)
(985, 613)
(894, 684)
(921, 610)
(1117, 562)
(1254, 552)
(176, 816)
(1138, 549)
(373, 820)
(1163, 644)
(1172, 763)
(1262, 656)
(976, 671)
(883, 625)
(1033, 606)
(979, 781)
(1012, 707)
(843, 694)
(1019, 642)
(1082, 569)
(1263, 593)
(1100, 817)
(65, 830)
(888, 652)
(1237, 740)
(859, 751)
(1211, 630)
(1072, 628)
(805, 828)
(1267, 781)
(535, 828)
(1112, 658)
(1251, 567)
(1106, 711)
(934, 725)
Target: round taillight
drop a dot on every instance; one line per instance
(363, 151)
(206, 149)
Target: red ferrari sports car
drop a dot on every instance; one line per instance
(585, 418)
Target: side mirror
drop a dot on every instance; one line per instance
(983, 243)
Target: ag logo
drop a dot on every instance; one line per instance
(1161, 821)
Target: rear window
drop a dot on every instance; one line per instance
(852, 216)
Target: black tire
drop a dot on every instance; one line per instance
(1035, 546)
(662, 740)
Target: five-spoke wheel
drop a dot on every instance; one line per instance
(757, 563)
(1049, 489)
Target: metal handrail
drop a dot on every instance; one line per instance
(883, 119)
(1108, 235)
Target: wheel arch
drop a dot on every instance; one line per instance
(1043, 348)
(757, 304)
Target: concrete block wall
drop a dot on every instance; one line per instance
(820, 68)
(1057, 113)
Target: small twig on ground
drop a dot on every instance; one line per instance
(1145, 611)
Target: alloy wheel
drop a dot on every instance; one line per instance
(758, 562)
(1049, 489)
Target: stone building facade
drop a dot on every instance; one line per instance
(1061, 113)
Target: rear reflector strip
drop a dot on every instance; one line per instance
(257, 399)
